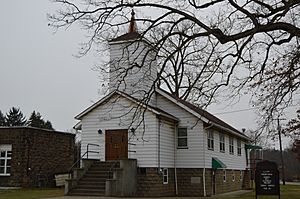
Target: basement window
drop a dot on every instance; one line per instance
(165, 176)
(224, 175)
(5, 160)
(233, 176)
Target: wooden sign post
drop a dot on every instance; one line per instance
(267, 179)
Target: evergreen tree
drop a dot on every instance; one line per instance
(2, 119)
(48, 125)
(15, 117)
(36, 120)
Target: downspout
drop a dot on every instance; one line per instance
(203, 174)
(158, 147)
(175, 169)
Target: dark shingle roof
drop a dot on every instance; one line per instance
(204, 113)
(127, 37)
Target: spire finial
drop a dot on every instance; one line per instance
(132, 25)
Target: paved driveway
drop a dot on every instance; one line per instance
(103, 197)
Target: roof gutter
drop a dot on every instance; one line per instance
(229, 130)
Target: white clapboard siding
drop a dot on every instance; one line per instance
(167, 150)
(115, 114)
(231, 161)
(192, 157)
(143, 146)
(197, 154)
(138, 81)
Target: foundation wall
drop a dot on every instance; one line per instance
(150, 183)
(190, 182)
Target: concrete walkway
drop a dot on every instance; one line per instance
(235, 193)
(291, 183)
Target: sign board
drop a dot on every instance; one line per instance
(195, 180)
(267, 178)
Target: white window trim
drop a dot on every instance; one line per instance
(239, 147)
(222, 142)
(210, 140)
(231, 146)
(182, 137)
(6, 149)
(165, 175)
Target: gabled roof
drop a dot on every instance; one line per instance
(201, 114)
(127, 37)
(155, 110)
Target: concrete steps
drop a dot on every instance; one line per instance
(93, 182)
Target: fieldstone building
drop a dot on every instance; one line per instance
(29, 157)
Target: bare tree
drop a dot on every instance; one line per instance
(203, 47)
(296, 148)
(292, 128)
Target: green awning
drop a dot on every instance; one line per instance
(249, 146)
(217, 164)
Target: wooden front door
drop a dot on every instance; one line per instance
(116, 144)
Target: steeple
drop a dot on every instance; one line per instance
(132, 68)
(132, 25)
(132, 33)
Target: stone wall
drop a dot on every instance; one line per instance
(233, 181)
(150, 183)
(190, 182)
(37, 155)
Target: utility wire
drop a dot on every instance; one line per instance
(235, 111)
(247, 109)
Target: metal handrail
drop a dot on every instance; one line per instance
(131, 151)
(86, 153)
(87, 149)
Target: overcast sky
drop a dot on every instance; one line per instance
(39, 72)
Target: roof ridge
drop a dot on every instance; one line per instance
(203, 113)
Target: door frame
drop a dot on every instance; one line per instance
(123, 131)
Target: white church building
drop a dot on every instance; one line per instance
(165, 147)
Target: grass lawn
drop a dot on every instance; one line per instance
(286, 192)
(30, 193)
